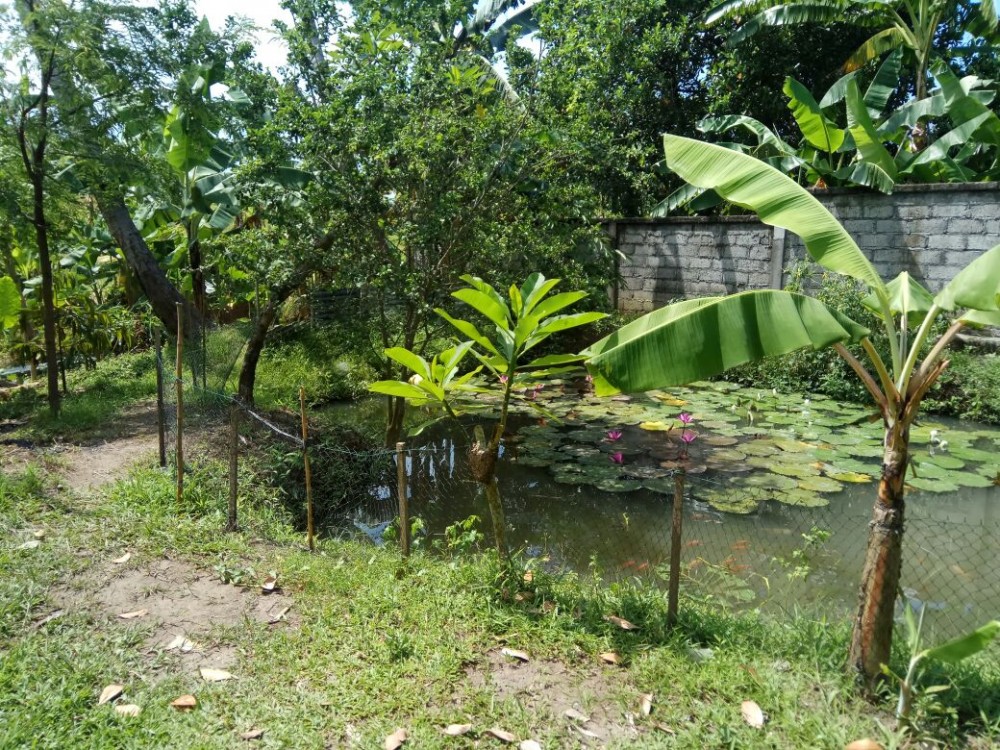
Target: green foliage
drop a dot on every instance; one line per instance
(969, 388)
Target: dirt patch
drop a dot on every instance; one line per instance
(177, 599)
(88, 467)
(548, 689)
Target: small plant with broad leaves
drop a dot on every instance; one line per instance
(514, 326)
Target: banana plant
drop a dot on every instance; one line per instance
(699, 338)
(514, 326)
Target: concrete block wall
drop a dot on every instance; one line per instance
(930, 231)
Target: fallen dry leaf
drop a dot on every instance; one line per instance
(573, 715)
(269, 585)
(109, 694)
(184, 703)
(664, 728)
(38, 533)
(501, 735)
(180, 643)
(457, 730)
(123, 559)
(647, 704)
(513, 653)
(395, 740)
(134, 615)
(128, 709)
(214, 675)
(752, 714)
(278, 617)
(865, 744)
(621, 622)
(49, 618)
(253, 734)
(529, 576)
(610, 657)
(587, 733)
(529, 745)
(30, 544)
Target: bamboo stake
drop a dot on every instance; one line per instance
(161, 416)
(674, 583)
(234, 447)
(310, 530)
(404, 505)
(179, 384)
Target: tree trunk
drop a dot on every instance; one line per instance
(48, 293)
(495, 504)
(162, 294)
(871, 639)
(394, 420)
(197, 276)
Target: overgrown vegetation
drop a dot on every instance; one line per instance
(375, 642)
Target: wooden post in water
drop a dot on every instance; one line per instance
(179, 384)
(404, 503)
(310, 530)
(234, 449)
(161, 416)
(674, 583)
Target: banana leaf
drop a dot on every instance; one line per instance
(700, 338)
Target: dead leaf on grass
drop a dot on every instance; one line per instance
(865, 744)
(109, 694)
(529, 576)
(587, 733)
(513, 653)
(38, 533)
(664, 728)
(395, 740)
(270, 585)
(49, 618)
(573, 715)
(501, 735)
(279, 617)
(610, 657)
(457, 730)
(32, 544)
(214, 675)
(128, 709)
(752, 714)
(253, 734)
(184, 703)
(621, 622)
(647, 704)
(180, 643)
(133, 615)
(123, 559)
(529, 745)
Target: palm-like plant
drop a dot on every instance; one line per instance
(907, 24)
(699, 338)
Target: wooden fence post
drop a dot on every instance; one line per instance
(161, 415)
(404, 504)
(234, 448)
(674, 582)
(179, 378)
(310, 530)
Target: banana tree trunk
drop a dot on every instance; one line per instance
(871, 640)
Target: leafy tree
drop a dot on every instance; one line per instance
(702, 337)
(912, 26)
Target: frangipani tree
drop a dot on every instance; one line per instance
(699, 338)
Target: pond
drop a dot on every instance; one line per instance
(779, 492)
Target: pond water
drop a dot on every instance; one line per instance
(778, 497)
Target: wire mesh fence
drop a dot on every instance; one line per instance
(780, 559)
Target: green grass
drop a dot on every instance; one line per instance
(379, 642)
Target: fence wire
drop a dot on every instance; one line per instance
(780, 558)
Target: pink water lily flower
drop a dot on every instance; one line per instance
(685, 418)
(504, 379)
(689, 436)
(614, 435)
(617, 457)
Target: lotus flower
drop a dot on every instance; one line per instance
(613, 435)
(617, 457)
(689, 436)
(685, 418)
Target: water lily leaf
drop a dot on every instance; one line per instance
(932, 485)
(944, 460)
(967, 479)
(656, 426)
(799, 471)
(849, 476)
(758, 448)
(618, 485)
(820, 484)
(720, 441)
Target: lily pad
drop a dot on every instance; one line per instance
(853, 477)
(820, 484)
(932, 485)
(945, 461)
(618, 485)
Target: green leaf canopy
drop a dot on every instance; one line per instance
(10, 302)
(700, 338)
